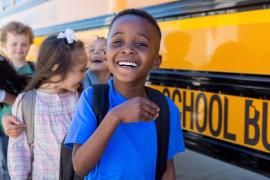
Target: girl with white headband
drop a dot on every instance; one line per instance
(60, 68)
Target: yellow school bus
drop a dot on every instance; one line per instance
(215, 65)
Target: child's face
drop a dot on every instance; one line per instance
(97, 58)
(132, 49)
(16, 46)
(76, 74)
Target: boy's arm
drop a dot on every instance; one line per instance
(86, 156)
(169, 174)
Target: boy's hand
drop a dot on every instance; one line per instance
(12, 127)
(135, 110)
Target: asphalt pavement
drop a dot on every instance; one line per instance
(191, 165)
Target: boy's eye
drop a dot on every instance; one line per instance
(103, 51)
(117, 42)
(91, 50)
(141, 45)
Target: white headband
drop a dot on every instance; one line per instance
(69, 35)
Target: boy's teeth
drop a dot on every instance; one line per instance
(128, 64)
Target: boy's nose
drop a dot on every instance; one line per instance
(128, 50)
(20, 47)
(99, 52)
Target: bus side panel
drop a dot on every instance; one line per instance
(231, 43)
(238, 120)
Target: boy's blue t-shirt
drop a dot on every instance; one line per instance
(132, 150)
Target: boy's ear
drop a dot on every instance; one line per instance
(157, 62)
(3, 48)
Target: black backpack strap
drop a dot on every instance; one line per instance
(100, 101)
(100, 107)
(163, 130)
(66, 171)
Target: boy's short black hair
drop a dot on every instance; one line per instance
(140, 13)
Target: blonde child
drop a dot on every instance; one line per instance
(60, 68)
(16, 39)
(98, 72)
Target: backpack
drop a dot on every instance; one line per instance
(100, 107)
(28, 112)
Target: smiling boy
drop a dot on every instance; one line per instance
(124, 145)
